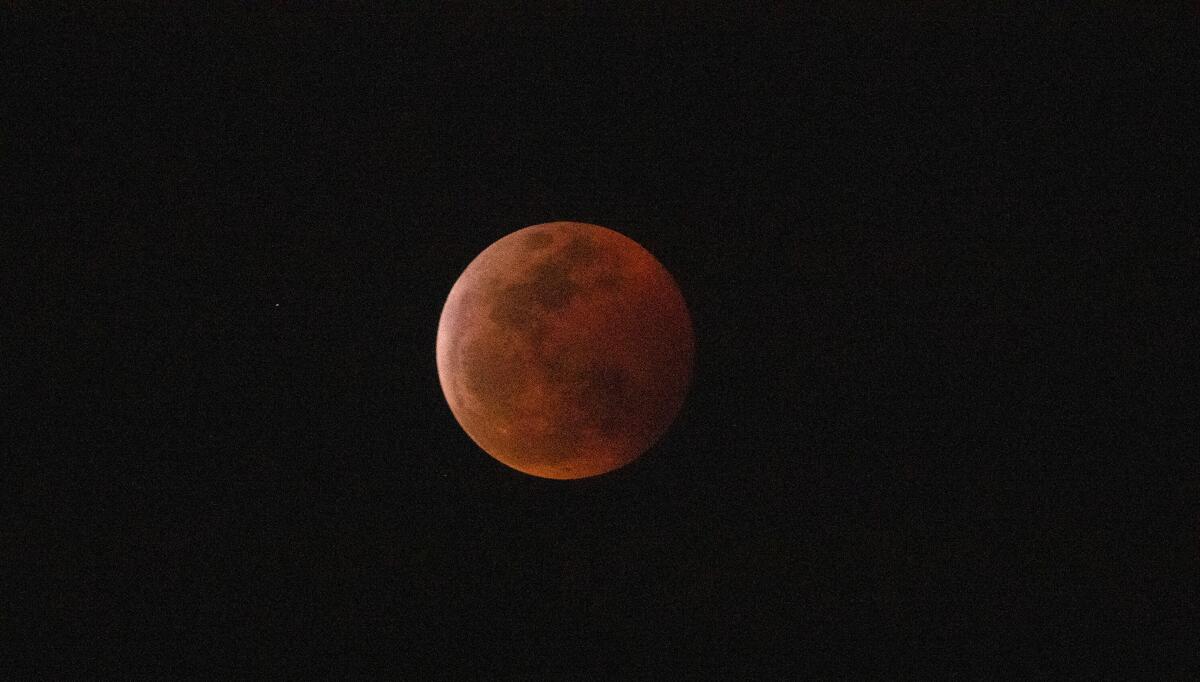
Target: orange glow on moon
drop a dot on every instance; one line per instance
(565, 350)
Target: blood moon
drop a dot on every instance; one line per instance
(565, 350)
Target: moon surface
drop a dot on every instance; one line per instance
(565, 350)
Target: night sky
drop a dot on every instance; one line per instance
(941, 265)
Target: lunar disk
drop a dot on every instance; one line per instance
(565, 350)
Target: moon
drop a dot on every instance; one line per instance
(565, 350)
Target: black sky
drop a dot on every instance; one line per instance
(941, 264)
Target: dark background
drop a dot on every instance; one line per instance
(941, 264)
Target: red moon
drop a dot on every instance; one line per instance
(565, 350)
